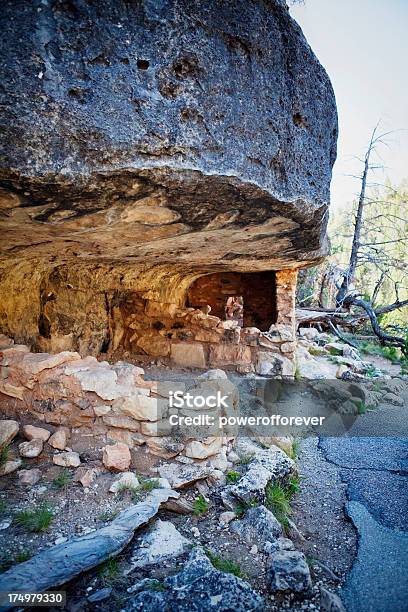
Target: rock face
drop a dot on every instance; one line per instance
(199, 586)
(149, 144)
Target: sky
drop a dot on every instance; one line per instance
(363, 44)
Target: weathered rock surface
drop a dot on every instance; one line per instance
(30, 449)
(67, 459)
(287, 570)
(258, 527)
(8, 431)
(116, 457)
(29, 477)
(200, 587)
(162, 543)
(39, 433)
(127, 480)
(139, 152)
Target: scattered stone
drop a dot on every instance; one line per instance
(30, 449)
(199, 450)
(181, 475)
(116, 457)
(226, 517)
(252, 485)
(195, 531)
(29, 477)
(59, 439)
(164, 447)
(161, 543)
(163, 483)
(391, 398)
(287, 571)
(220, 461)
(179, 506)
(258, 526)
(199, 586)
(128, 479)
(10, 466)
(330, 602)
(85, 476)
(310, 333)
(100, 595)
(233, 457)
(279, 544)
(254, 550)
(5, 525)
(67, 459)
(60, 540)
(8, 431)
(36, 433)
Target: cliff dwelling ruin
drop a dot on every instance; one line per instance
(165, 174)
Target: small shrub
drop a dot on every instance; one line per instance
(3, 506)
(22, 555)
(63, 479)
(108, 515)
(35, 520)
(246, 459)
(297, 375)
(224, 565)
(232, 477)
(148, 484)
(294, 452)
(134, 491)
(200, 506)
(4, 454)
(6, 561)
(243, 506)
(361, 407)
(109, 569)
(278, 499)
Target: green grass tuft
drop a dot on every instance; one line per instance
(4, 454)
(109, 569)
(225, 565)
(148, 484)
(108, 515)
(278, 499)
(232, 476)
(3, 506)
(200, 506)
(63, 479)
(22, 555)
(242, 506)
(35, 520)
(246, 459)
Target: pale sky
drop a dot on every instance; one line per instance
(363, 44)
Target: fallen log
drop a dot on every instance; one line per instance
(57, 565)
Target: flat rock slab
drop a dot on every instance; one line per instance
(258, 527)
(162, 543)
(379, 578)
(59, 564)
(199, 587)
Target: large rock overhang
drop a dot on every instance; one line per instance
(148, 143)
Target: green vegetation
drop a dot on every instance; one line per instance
(108, 515)
(232, 477)
(22, 555)
(278, 499)
(35, 520)
(63, 479)
(243, 506)
(4, 454)
(132, 489)
(297, 375)
(148, 484)
(294, 452)
(225, 565)
(246, 459)
(109, 569)
(200, 506)
(156, 585)
(6, 561)
(3, 506)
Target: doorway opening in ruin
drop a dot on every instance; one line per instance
(250, 295)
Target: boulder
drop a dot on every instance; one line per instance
(116, 457)
(287, 571)
(30, 449)
(258, 527)
(200, 587)
(68, 459)
(8, 431)
(59, 439)
(180, 475)
(29, 477)
(160, 544)
(38, 433)
(128, 479)
(10, 466)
